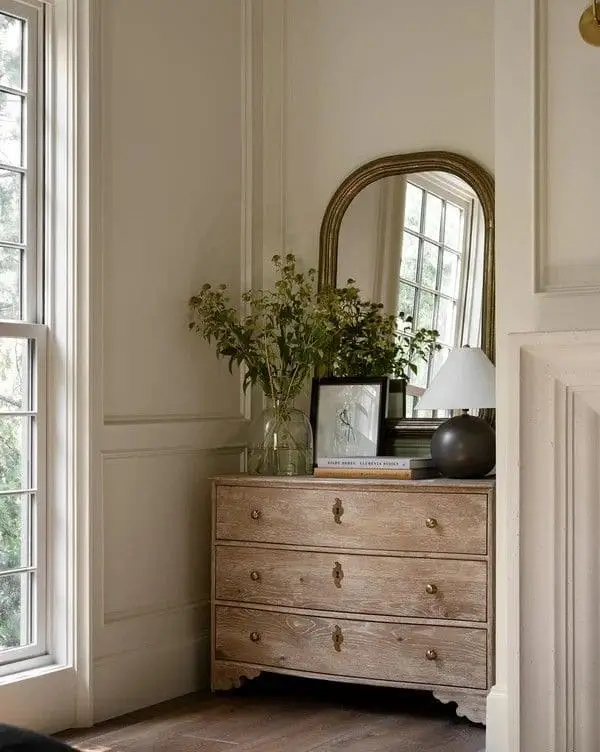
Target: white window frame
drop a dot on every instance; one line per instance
(443, 188)
(59, 695)
(30, 326)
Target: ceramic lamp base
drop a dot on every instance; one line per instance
(464, 447)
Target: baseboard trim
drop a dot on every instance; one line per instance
(133, 680)
(497, 735)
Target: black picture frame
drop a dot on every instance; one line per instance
(325, 384)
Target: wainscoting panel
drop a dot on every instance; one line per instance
(156, 522)
(559, 523)
(148, 675)
(566, 75)
(152, 610)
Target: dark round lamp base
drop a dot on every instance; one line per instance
(464, 447)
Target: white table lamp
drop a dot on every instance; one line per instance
(463, 446)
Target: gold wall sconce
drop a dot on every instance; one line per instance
(589, 24)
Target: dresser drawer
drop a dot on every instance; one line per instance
(350, 518)
(426, 588)
(429, 655)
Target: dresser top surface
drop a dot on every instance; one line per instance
(309, 481)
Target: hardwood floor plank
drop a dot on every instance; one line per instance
(287, 716)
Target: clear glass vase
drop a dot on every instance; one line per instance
(280, 442)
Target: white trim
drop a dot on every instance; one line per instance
(59, 697)
(274, 133)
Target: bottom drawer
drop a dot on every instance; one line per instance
(416, 653)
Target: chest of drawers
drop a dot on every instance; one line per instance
(380, 582)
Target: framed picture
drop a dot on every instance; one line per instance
(347, 416)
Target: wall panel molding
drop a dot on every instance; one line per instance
(143, 612)
(274, 65)
(566, 278)
(149, 675)
(560, 567)
(203, 435)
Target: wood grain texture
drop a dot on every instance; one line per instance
(354, 554)
(353, 583)
(363, 649)
(267, 716)
(441, 485)
(468, 704)
(225, 676)
(391, 520)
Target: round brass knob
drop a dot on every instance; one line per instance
(431, 589)
(255, 636)
(431, 655)
(255, 514)
(254, 575)
(431, 522)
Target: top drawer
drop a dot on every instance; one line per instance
(349, 518)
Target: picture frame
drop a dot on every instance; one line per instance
(347, 415)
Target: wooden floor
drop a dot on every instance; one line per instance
(281, 715)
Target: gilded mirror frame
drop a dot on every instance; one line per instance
(480, 180)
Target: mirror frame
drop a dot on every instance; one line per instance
(480, 180)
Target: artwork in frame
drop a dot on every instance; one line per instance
(347, 416)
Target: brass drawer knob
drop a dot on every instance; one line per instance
(431, 522)
(254, 575)
(255, 514)
(431, 589)
(255, 636)
(431, 655)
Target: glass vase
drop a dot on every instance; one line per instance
(280, 442)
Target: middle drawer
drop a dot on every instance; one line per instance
(396, 586)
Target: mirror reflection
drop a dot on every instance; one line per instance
(416, 243)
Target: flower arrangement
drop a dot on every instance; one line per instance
(284, 335)
(370, 342)
(292, 330)
(278, 335)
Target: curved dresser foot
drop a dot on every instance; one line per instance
(469, 705)
(226, 675)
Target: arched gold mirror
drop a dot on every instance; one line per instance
(416, 232)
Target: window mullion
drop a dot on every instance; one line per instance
(23, 364)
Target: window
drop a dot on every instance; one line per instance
(435, 260)
(22, 336)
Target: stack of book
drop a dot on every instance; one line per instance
(403, 468)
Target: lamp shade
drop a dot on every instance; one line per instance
(467, 380)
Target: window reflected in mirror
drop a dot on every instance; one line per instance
(416, 244)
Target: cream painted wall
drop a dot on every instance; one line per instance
(169, 153)
(349, 80)
(548, 316)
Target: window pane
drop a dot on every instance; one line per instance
(412, 211)
(11, 51)
(11, 107)
(410, 257)
(445, 320)
(433, 216)
(10, 283)
(450, 268)
(15, 621)
(406, 300)
(14, 532)
(430, 265)
(14, 374)
(15, 442)
(452, 226)
(10, 206)
(425, 313)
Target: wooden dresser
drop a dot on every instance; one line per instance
(382, 582)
